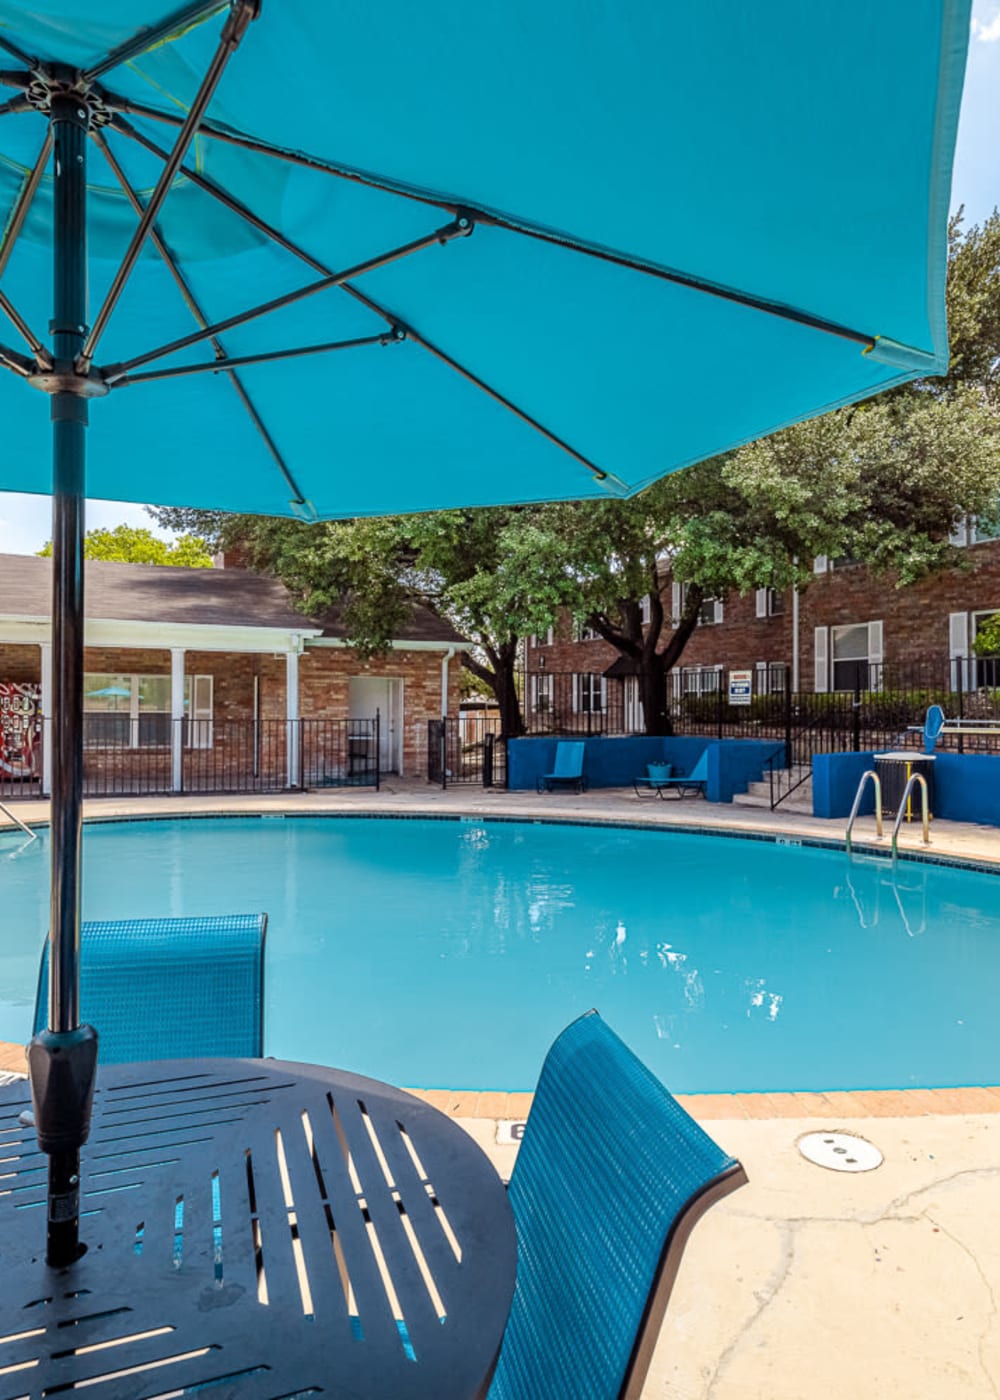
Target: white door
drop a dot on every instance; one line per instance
(371, 695)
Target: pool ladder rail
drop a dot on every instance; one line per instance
(32, 835)
(912, 781)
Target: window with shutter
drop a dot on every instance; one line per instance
(821, 659)
(958, 649)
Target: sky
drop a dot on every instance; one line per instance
(25, 521)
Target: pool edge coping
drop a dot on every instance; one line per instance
(514, 1105)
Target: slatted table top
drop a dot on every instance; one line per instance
(257, 1229)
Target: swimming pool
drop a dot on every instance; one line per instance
(449, 953)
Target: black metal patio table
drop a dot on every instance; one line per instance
(259, 1229)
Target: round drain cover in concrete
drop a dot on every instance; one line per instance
(841, 1152)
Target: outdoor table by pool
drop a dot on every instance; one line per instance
(261, 1229)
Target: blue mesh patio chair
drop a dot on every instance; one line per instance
(567, 771)
(683, 783)
(165, 989)
(652, 782)
(611, 1178)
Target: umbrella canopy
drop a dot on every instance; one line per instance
(350, 259)
(690, 225)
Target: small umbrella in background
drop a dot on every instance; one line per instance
(358, 259)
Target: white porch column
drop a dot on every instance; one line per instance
(292, 711)
(176, 715)
(46, 650)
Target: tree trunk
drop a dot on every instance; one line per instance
(652, 682)
(502, 680)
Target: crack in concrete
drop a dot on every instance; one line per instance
(981, 1342)
(765, 1296)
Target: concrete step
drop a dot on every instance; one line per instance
(763, 789)
(800, 801)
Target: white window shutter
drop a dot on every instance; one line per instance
(960, 532)
(958, 634)
(875, 656)
(760, 602)
(718, 610)
(761, 677)
(821, 660)
(874, 641)
(604, 694)
(676, 604)
(577, 685)
(548, 636)
(820, 564)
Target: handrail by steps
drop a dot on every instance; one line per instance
(925, 812)
(868, 773)
(18, 822)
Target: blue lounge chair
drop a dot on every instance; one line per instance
(682, 783)
(611, 1177)
(165, 989)
(567, 770)
(656, 775)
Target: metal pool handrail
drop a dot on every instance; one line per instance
(925, 812)
(33, 835)
(869, 773)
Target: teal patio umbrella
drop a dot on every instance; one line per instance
(331, 259)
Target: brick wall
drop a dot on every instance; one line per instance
(324, 687)
(914, 619)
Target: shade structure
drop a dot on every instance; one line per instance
(352, 260)
(691, 224)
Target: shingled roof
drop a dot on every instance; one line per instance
(198, 597)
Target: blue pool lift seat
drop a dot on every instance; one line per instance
(610, 1180)
(683, 783)
(567, 771)
(165, 989)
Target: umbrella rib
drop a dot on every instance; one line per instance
(599, 473)
(19, 364)
(333, 279)
(140, 43)
(230, 202)
(228, 135)
(26, 194)
(10, 47)
(16, 319)
(193, 306)
(242, 14)
(264, 357)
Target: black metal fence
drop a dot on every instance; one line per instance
(885, 708)
(466, 749)
(217, 756)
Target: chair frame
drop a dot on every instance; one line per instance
(684, 783)
(650, 787)
(665, 1277)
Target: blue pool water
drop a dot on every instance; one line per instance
(449, 954)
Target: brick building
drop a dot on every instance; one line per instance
(212, 678)
(846, 629)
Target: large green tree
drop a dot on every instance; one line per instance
(490, 572)
(131, 544)
(883, 482)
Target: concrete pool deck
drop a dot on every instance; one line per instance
(806, 1282)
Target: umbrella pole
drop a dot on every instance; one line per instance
(63, 1059)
